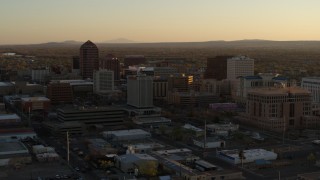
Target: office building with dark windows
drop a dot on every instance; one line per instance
(89, 59)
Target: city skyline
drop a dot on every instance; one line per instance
(36, 21)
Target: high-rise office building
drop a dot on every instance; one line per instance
(110, 62)
(180, 83)
(160, 88)
(103, 81)
(89, 59)
(217, 68)
(59, 92)
(239, 66)
(140, 91)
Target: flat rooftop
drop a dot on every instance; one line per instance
(223, 126)
(278, 91)
(311, 78)
(193, 128)
(8, 116)
(35, 99)
(16, 130)
(151, 120)
(3, 84)
(7, 148)
(247, 153)
(135, 157)
(145, 145)
(174, 151)
(129, 132)
(77, 109)
(205, 164)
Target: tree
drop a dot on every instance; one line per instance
(104, 164)
(177, 133)
(216, 119)
(149, 168)
(162, 130)
(311, 159)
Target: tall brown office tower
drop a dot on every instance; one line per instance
(110, 62)
(89, 59)
(217, 68)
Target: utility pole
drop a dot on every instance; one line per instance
(205, 134)
(284, 128)
(279, 175)
(29, 120)
(68, 149)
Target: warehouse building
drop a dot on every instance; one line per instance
(233, 156)
(13, 153)
(9, 119)
(126, 135)
(141, 163)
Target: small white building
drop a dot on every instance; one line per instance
(222, 129)
(210, 143)
(197, 131)
(232, 156)
(143, 147)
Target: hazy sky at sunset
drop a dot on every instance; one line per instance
(37, 21)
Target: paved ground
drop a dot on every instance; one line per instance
(36, 169)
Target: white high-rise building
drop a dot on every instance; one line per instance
(239, 66)
(140, 91)
(312, 84)
(39, 75)
(103, 81)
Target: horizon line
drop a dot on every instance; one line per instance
(151, 42)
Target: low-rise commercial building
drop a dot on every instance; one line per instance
(210, 142)
(126, 135)
(137, 163)
(80, 88)
(100, 147)
(6, 88)
(151, 120)
(233, 156)
(59, 92)
(195, 130)
(61, 128)
(13, 153)
(9, 119)
(203, 169)
(142, 147)
(35, 103)
(191, 98)
(107, 116)
(16, 134)
(222, 129)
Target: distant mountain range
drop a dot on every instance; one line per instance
(112, 41)
(247, 43)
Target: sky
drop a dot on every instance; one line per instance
(39, 21)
